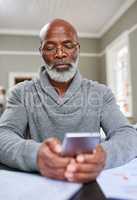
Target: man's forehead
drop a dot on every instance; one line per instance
(60, 32)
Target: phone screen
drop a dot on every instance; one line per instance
(77, 143)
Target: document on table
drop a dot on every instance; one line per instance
(120, 182)
(26, 186)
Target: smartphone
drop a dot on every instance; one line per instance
(77, 143)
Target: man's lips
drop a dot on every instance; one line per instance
(61, 66)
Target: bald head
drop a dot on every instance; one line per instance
(58, 25)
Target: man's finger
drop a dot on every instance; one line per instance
(52, 173)
(99, 149)
(81, 177)
(84, 168)
(53, 160)
(54, 144)
(89, 158)
(99, 156)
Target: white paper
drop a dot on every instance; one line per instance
(120, 182)
(26, 186)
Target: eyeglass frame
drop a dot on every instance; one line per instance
(54, 51)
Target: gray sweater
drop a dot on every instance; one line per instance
(35, 112)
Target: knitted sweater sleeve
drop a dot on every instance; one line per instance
(121, 137)
(15, 150)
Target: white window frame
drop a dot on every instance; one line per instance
(122, 39)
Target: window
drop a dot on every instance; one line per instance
(118, 73)
(16, 77)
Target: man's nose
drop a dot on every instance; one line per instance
(60, 53)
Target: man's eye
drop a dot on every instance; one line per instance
(50, 47)
(69, 45)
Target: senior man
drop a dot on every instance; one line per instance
(41, 111)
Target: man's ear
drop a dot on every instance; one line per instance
(40, 49)
(78, 47)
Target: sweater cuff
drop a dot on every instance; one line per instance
(30, 155)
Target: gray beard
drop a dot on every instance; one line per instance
(62, 76)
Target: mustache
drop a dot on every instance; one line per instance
(59, 63)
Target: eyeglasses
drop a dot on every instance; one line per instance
(52, 48)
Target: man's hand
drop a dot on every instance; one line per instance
(86, 167)
(50, 163)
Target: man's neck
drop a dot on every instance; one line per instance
(60, 88)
